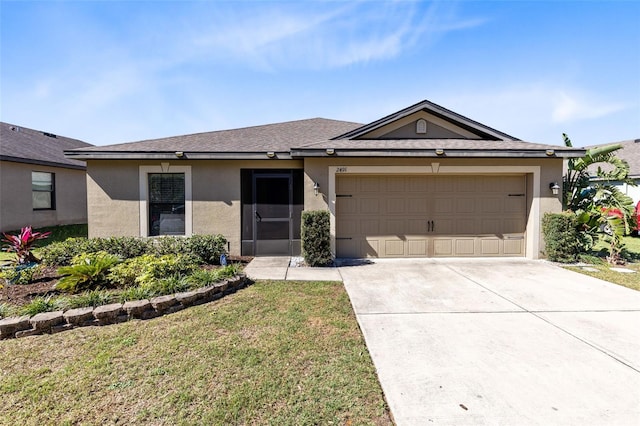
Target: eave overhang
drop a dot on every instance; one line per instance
(177, 155)
(42, 162)
(437, 153)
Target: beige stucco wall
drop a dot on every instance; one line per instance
(317, 170)
(114, 195)
(16, 209)
(114, 190)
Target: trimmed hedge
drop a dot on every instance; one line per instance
(561, 236)
(316, 238)
(205, 248)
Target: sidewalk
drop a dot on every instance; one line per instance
(277, 268)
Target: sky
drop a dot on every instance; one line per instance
(110, 72)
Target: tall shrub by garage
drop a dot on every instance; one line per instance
(561, 236)
(316, 238)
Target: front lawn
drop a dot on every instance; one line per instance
(609, 273)
(273, 353)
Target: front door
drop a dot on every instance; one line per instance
(272, 213)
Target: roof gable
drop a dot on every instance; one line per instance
(441, 123)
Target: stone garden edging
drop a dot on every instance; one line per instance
(55, 322)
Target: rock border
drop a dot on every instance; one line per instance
(55, 322)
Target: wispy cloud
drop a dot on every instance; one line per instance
(329, 35)
(579, 106)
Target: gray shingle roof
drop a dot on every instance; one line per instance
(24, 145)
(459, 144)
(278, 137)
(630, 152)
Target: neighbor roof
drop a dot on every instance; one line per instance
(630, 152)
(322, 137)
(23, 145)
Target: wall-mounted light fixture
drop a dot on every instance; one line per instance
(439, 151)
(316, 187)
(331, 151)
(550, 152)
(179, 154)
(271, 154)
(554, 187)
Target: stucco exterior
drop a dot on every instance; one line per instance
(17, 206)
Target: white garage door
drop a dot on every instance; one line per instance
(424, 216)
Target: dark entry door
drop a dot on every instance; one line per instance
(272, 214)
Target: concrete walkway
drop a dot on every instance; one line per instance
(499, 342)
(277, 268)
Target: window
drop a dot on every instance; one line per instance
(166, 203)
(43, 192)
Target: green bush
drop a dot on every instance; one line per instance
(207, 248)
(316, 238)
(146, 269)
(87, 271)
(22, 274)
(562, 238)
(4, 310)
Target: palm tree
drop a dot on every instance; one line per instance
(599, 204)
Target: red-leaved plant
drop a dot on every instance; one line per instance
(22, 244)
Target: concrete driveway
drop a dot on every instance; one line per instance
(499, 342)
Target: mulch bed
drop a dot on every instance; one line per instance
(44, 284)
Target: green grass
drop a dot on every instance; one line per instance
(281, 353)
(58, 233)
(604, 271)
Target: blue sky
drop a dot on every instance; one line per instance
(118, 71)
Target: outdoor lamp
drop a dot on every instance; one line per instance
(271, 154)
(316, 187)
(554, 187)
(439, 151)
(179, 154)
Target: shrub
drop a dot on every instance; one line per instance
(38, 305)
(207, 248)
(22, 244)
(21, 274)
(562, 239)
(316, 238)
(87, 271)
(146, 269)
(170, 245)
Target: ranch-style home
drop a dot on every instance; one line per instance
(421, 182)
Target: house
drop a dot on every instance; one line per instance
(421, 182)
(39, 186)
(630, 152)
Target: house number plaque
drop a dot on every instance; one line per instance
(341, 169)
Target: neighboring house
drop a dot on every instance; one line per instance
(421, 182)
(39, 186)
(630, 152)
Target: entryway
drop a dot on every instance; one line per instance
(272, 202)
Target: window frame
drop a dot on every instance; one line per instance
(52, 191)
(144, 172)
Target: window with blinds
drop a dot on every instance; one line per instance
(166, 203)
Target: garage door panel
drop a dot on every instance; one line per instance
(395, 227)
(396, 206)
(345, 206)
(417, 247)
(392, 216)
(490, 247)
(393, 248)
(369, 206)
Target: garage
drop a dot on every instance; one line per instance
(430, 215)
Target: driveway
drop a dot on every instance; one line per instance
(499, 342)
